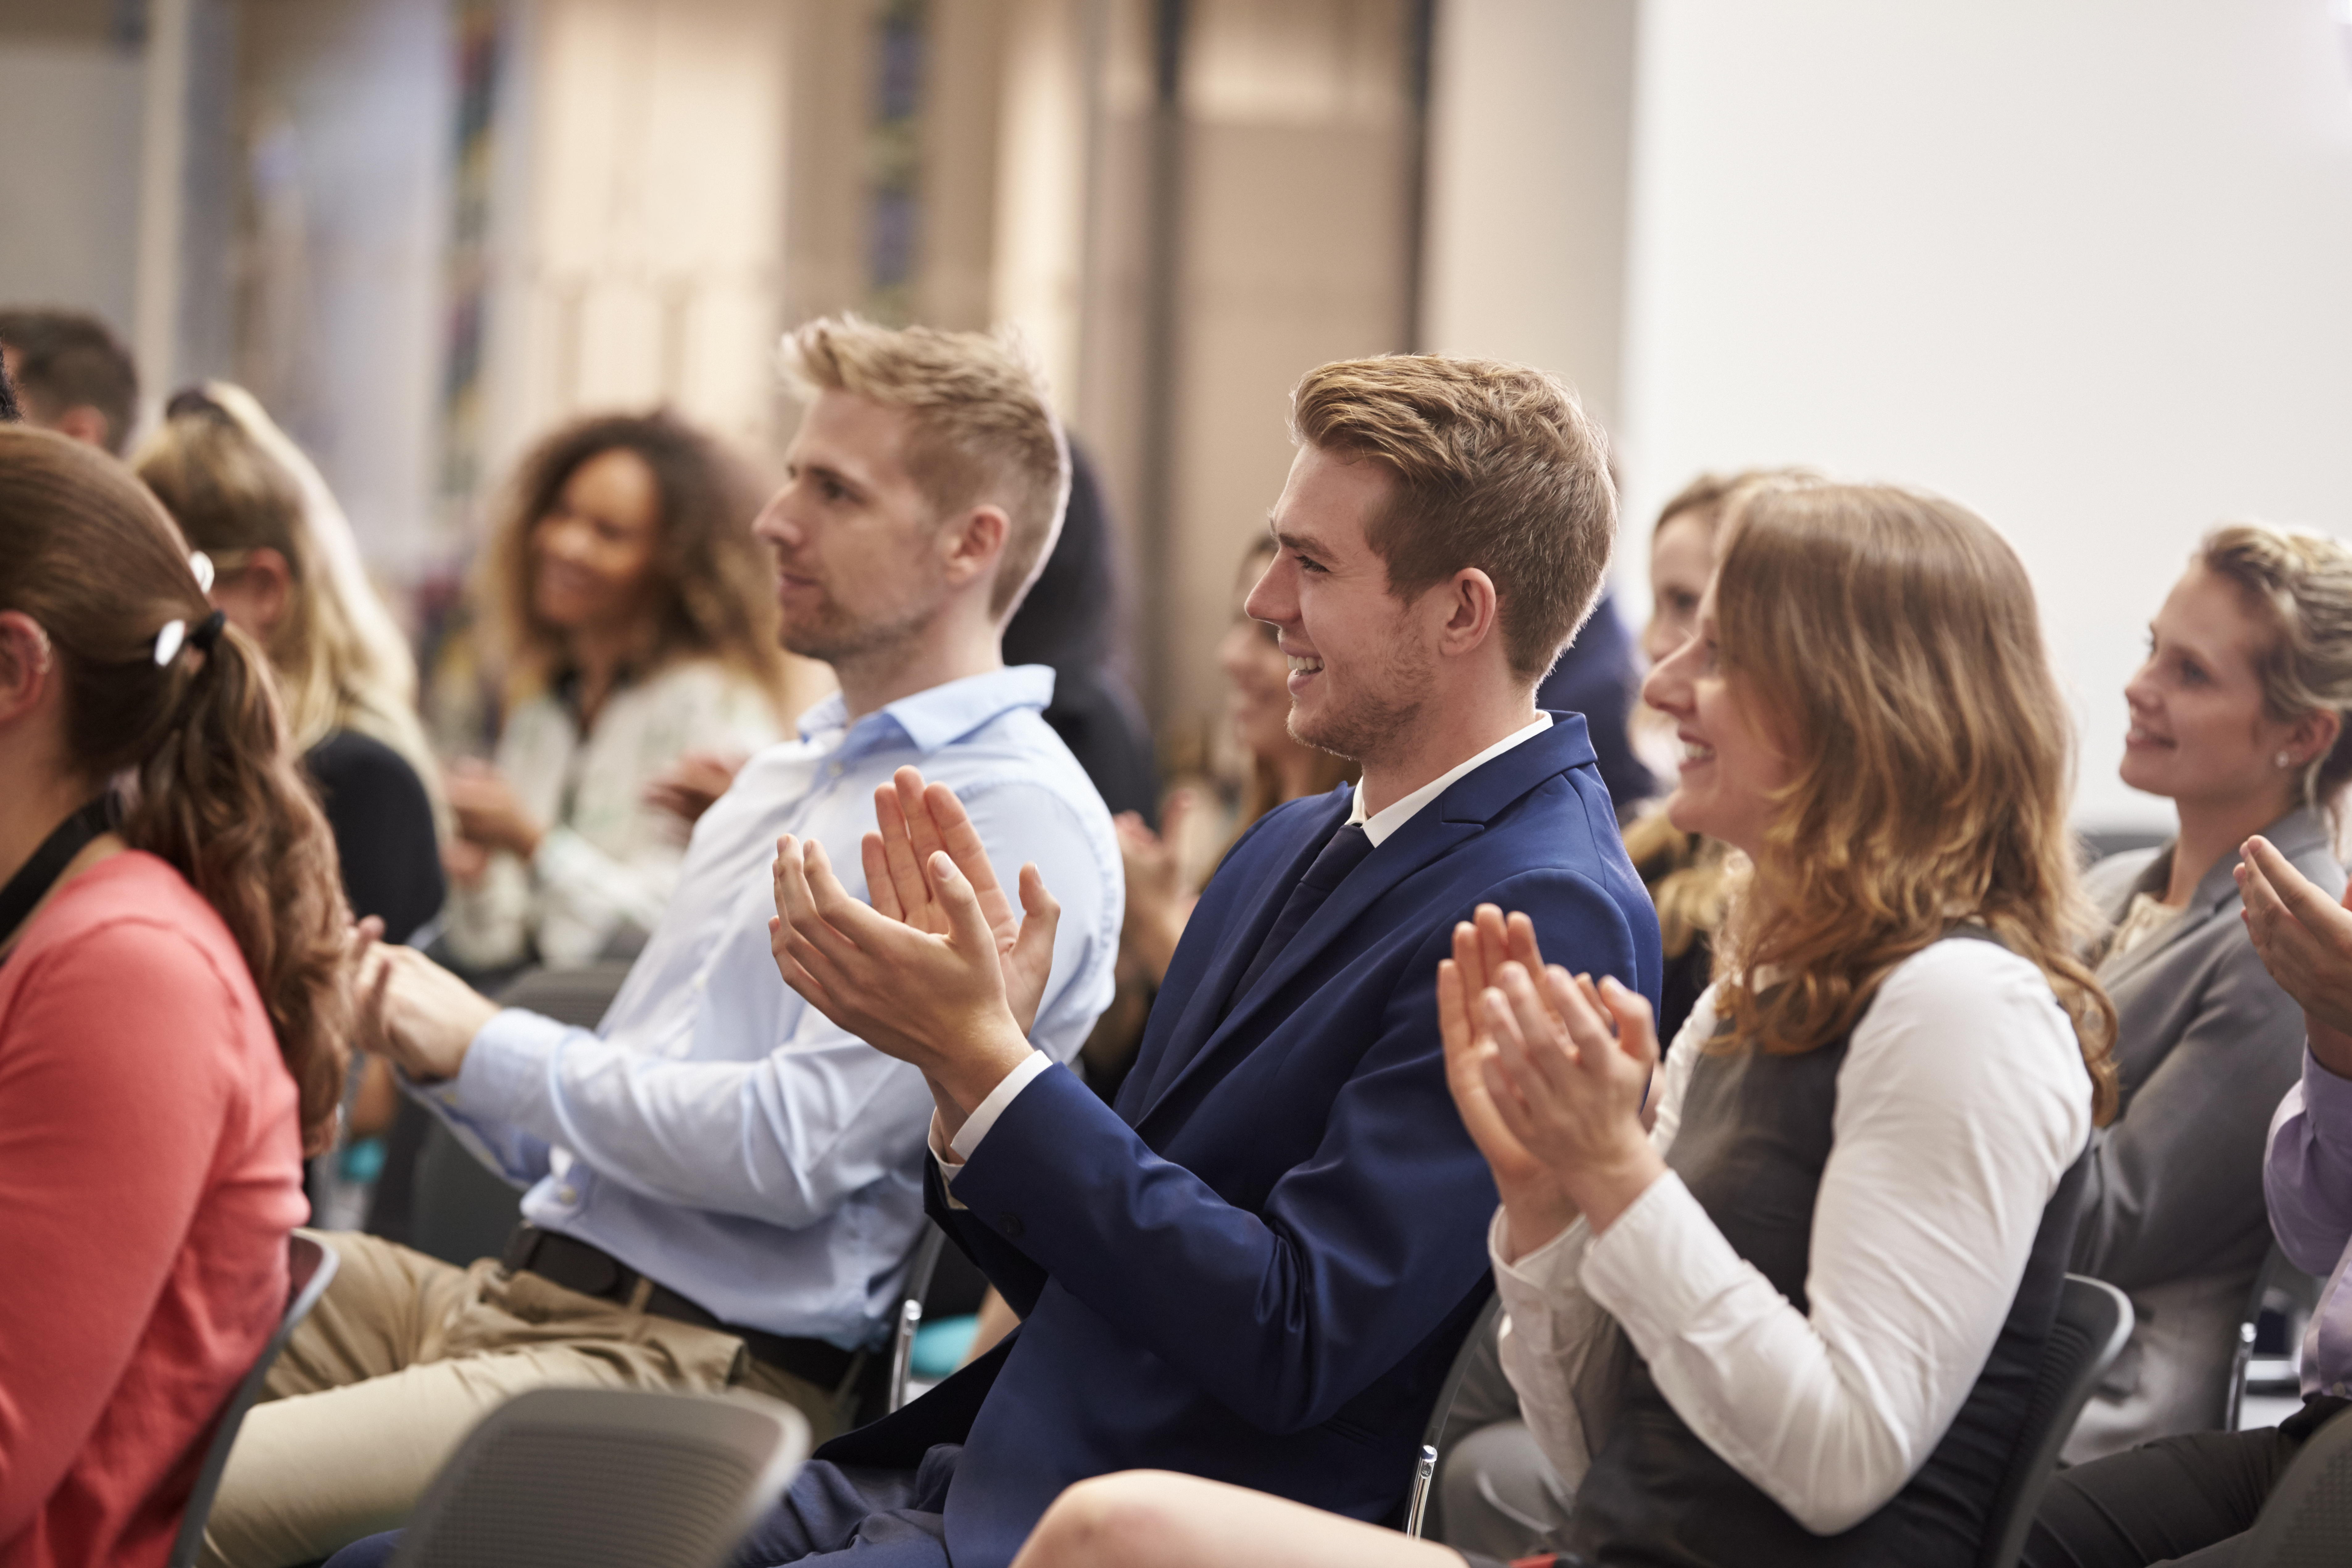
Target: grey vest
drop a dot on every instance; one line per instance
(1754, 1137)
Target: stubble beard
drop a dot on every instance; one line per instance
(1375, 719)
(833, 636)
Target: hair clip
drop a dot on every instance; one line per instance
(202, 565)
(175, 635)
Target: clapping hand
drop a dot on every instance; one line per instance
(936, 972)
(1550, 1072)
(2305, 938)
(413, 1012)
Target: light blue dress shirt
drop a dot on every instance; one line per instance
(717, 1133)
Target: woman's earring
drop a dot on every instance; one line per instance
(2284, 760)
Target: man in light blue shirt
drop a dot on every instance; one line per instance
(724, 1186)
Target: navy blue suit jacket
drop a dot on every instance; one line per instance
(1258, 1266)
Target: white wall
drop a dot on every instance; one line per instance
(2085, 267)
(69, 185)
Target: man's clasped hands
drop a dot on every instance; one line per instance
(936, 967)
(1549, 1070)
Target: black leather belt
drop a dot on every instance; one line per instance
(575, 1265)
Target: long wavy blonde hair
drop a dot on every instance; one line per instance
(235, 482)
(1891, 642)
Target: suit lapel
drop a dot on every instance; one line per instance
(1204, 1008)
(2297, 833)
(1435, 830)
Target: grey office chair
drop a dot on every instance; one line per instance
(1424, 1469)
(607, 1478)
(311, 1265)
(2093, 1321)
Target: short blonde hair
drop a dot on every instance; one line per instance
(1496, 467)
(983, 427)
(2300, 581)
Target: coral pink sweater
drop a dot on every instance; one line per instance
(150, 1169)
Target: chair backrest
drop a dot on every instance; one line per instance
(2241, 1353)
(580, 997)
(2093, 1321)
(882, 1387)
(607, 1478)
(1424, 1467)
(310, 1264)
(2307, 1519)
(920, 1267)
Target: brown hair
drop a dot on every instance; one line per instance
(215, 789)
(711, 591)
(65, 360)
(2300, 581)
(1496, 467)
(1892, 643)
(981, 427)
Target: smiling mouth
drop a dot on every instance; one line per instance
(1301, 666)
(1693, 751)
(2136, 735)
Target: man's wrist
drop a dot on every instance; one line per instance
(977, 1070)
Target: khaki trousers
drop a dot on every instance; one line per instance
(400, 1359)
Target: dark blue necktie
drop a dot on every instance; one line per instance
(1341, 855)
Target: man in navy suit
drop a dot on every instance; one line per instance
(1258, 1265)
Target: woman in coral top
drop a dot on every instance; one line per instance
(171, 1007)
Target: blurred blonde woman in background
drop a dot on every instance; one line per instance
(287, 572)
(630, 616)
(2237, 716)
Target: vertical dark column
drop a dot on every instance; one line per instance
(1162, 281)
(1421, 23)
(893, 151)
(466, 268)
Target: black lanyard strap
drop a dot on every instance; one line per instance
(38, 875)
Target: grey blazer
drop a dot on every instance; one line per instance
(2206, 1046)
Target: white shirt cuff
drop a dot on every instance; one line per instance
(984, 1114)
(984, 1117)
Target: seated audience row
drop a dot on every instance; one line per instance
(1797, 1318)
(1777, 1294)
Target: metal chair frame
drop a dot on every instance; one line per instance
(309, 1266)
(1424, 1469)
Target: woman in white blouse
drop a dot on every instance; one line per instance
(1787, 1307)
(635, 625)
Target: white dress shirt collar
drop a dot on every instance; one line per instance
(1396, 814)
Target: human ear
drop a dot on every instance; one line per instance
(26, 664)
(976, 543)
(1472, 610)
(2313, 735)
(257, 596)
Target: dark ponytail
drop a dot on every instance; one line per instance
(195, 747)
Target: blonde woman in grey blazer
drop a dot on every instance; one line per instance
(2237, 717)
